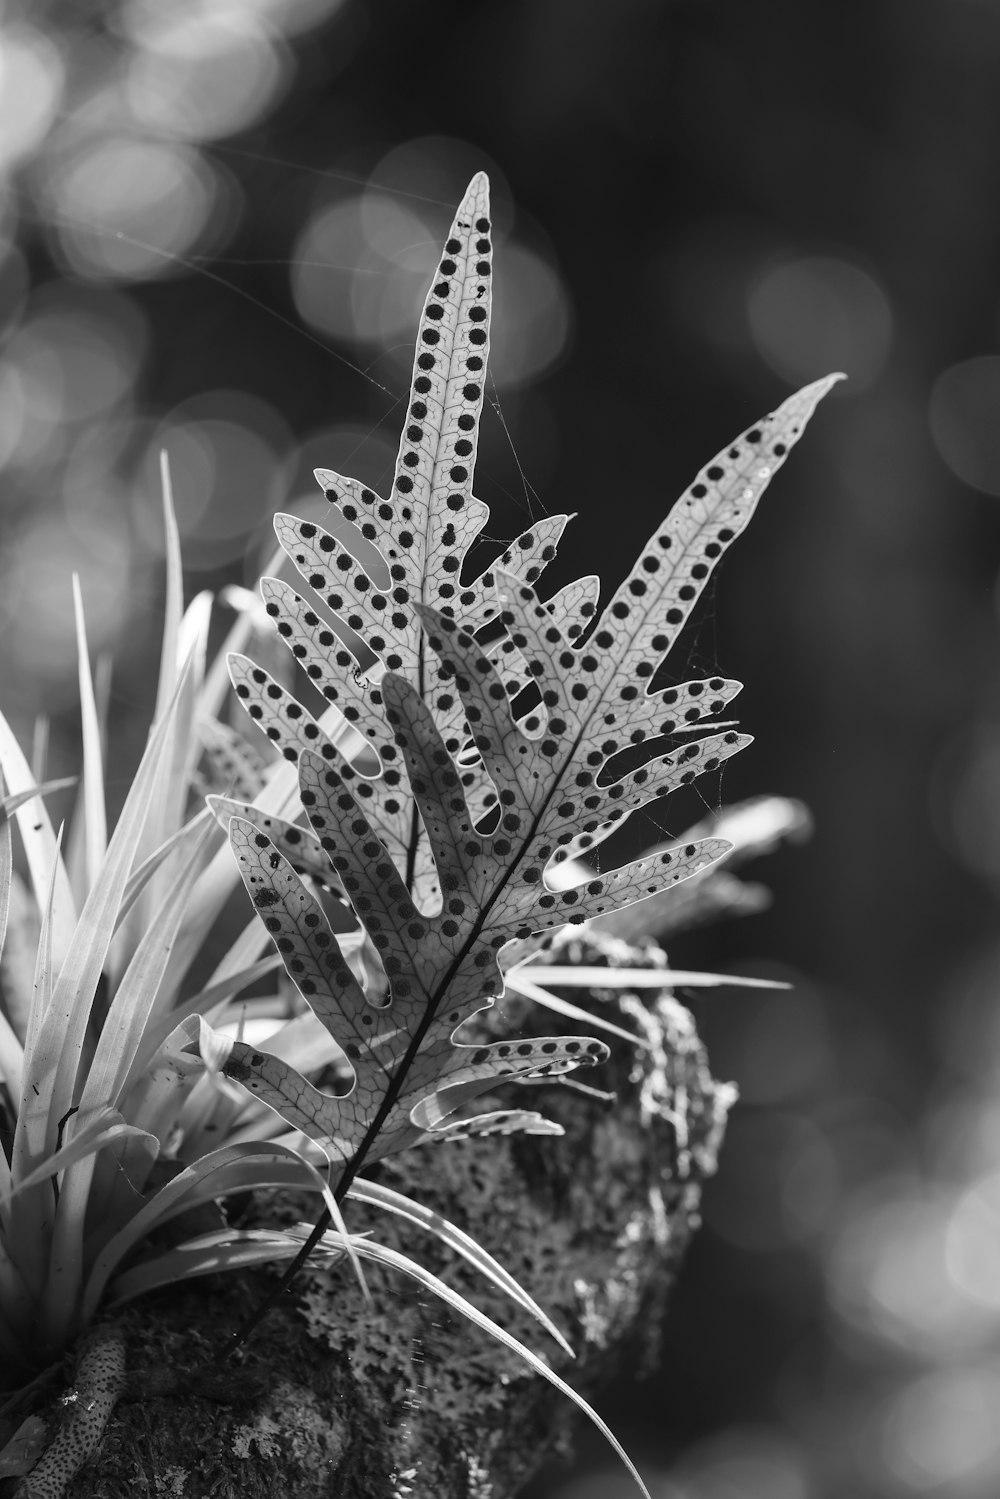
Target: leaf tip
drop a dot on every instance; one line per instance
(821, 387)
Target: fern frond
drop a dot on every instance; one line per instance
(448, 871)
(424, 532)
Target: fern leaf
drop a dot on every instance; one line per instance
(300, 846)
(441, 967)
(423, 532)
(405, 1046)
(444, 852)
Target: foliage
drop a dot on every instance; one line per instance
(512, 717)
(487, 746)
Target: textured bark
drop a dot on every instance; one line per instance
(406, 1400)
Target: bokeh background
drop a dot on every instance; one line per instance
(217, 219)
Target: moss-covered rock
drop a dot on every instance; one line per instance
(406, 1399)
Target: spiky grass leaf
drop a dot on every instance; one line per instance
(94, 820)
(177, 846)
(10, 804)
(120, 1038)
(212, 1176)
(383, 1255)
(260, 1169)
(98, 1128)
(11, 1064)
(6, 858)
(57, 1027)
(168, 812)
(174, 602)
(38, 839)
(376, 1194)
(27, 1232)
(208, 1254)
(639, 978)
(521, 984)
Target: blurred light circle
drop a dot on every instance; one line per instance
(205, 73)
(348, 448)
(972, 1243)
(32, 396)
(36, 614)
(870, 1138)
(96, 354)
(91, 484)
(700, 280)
(192, 470)
(10, 252)
(964, 406)
(396, 232)
(124, 207)
(743, 1462)
(389, 281)
(32, 72)
(142, 19)
(243, 493)
(531, 317)
(14, 402)
(889, 1279)
(966, 1122)
(65, 363)
(296, 15)
(224, 477)
(438, 169)
(13, 411)
(355, 452)
(818, 313)
(14, 283)
(360, 269)
(360, 272)
(943, 1430)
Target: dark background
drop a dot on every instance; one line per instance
(216, 232)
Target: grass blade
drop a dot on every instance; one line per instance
(11, 1065)
(6, 861)
(101, 1128)
(52, 1056)
(377, 1195)
(174, 602)
(213, 1176)
(383, 1255)
(39, 842)
(10, 804)
(95, 826)
(138, 995)
(29, 1230)
(641, 978)
(191, 832)
(227, 1249)
(519, 981)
